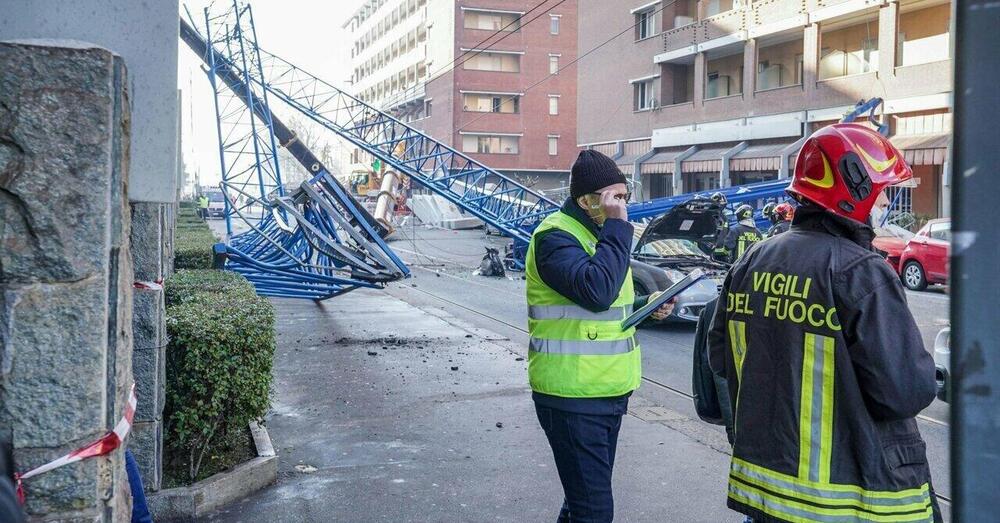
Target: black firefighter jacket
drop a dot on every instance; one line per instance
(739, 238)
(826, 372)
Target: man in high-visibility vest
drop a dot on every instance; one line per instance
(203, 206)
(582, 366)
(825, 365)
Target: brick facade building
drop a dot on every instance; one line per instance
(479, 78)
(715, 92)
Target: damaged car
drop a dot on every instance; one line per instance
(674, 244)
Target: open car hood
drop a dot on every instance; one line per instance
(697, 220)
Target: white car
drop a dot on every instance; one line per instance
(942, 364)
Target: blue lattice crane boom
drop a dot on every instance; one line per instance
(315, 241)
(497, 199)
(285, 137)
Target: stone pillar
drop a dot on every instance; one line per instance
(150, 229)
(700, 63)
(65, 271)
(749, 69)
(810, 58)
(888, 29)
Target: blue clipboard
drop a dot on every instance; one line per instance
(664, 297)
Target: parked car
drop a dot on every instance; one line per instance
(924, 260)
(675, 244)
(891, 247)
(942, 364)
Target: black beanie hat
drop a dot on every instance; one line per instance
(592, 171)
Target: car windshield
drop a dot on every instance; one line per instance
(669, 248)
(215, 197)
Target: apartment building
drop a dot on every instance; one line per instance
(717, 93)
(480, 75)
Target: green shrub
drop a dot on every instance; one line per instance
(185, 285)
(193, 246)
(188, 204)
(218, 365)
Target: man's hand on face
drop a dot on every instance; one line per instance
(612, 206)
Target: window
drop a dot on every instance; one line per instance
(554, 24)
(553, 145)
(924, 36)
(553, 104)
(850, 50)
(779, 65)
(503, 62)
(553, 64)
(714, 7)
(490, 144)
(642, 93)
(938, 231)
(490, 21)
(491, 103)
(427, 108)
(645, 24)
(724, 76)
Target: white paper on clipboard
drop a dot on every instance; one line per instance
(664, 297)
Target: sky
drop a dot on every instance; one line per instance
(305, 32)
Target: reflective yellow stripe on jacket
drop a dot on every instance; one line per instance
(810, 495)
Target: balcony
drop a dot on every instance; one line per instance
(723, 24)
(714, 31)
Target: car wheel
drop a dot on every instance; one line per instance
(914, 277)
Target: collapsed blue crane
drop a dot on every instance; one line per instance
(314, 241)
(297, 247)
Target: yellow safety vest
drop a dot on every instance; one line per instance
(574, 352)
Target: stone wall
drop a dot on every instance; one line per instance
(65, 270)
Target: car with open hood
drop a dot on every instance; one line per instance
(674, 244)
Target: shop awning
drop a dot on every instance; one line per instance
(759, 157)
(633, 150)
(923, 149)
(627, 163)
(706, 160)
(662, 162)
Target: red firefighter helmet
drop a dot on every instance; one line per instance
(844, 167)
(784, 211)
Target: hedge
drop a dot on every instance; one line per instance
(193, 242)
(218, 366)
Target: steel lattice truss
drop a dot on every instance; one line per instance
(314, 241)
(493, 197)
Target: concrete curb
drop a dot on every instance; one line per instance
(188, 503)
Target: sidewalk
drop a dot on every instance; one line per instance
(386, 412)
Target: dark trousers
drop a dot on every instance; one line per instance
(584, 449)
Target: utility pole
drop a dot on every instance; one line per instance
(975, 340)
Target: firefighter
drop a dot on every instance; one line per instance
(741, 236)
(825, 365)
(783, 214)
(581, 365)
(768, 212)
(719, 252)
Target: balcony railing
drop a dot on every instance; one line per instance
(770, 11)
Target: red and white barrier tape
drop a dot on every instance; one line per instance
(151, 285)
(107, 443)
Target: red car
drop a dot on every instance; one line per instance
(924, 260)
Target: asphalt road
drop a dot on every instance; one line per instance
(443, 264)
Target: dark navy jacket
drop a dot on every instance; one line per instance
(592, 282)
